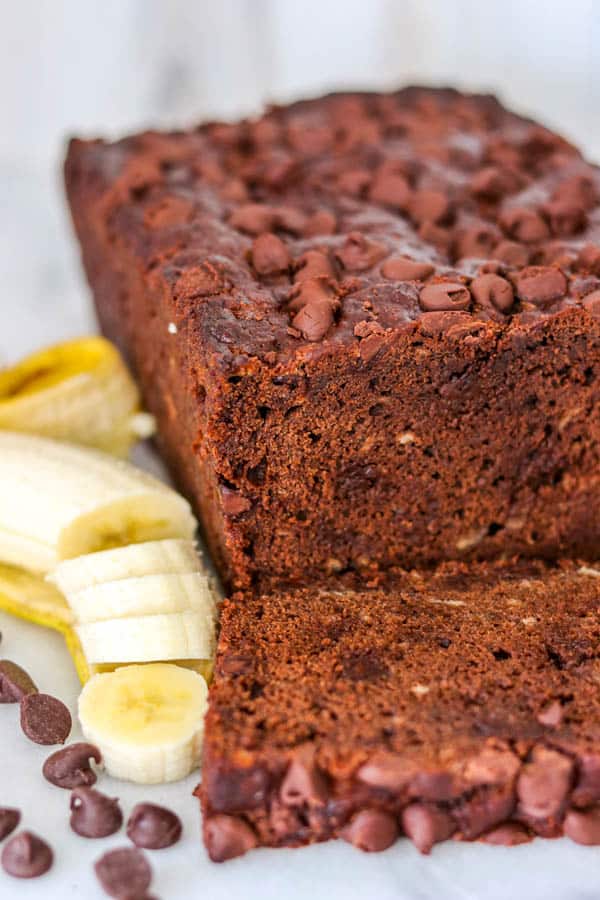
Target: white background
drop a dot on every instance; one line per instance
(108, 66)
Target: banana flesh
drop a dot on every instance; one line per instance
(79, 391)
(148, 721)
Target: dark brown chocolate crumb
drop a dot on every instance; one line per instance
(15, 683)
(9, 819)
(93, 814)
(44, 719)
(26, 856)
(153, 827)
(70, 767)
(124, 873)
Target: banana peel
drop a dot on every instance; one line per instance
(79, 391)
(32, 598)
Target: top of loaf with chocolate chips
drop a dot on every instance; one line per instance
(341, 220)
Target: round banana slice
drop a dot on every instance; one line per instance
(180, 635)
(171, 556)
(61, 501)
(147, 720)
(78, 391)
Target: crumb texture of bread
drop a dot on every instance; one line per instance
(368, 326)
(461, 703)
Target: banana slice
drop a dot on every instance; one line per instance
(173, 557)
(79, 391)
(145, 596)
(148, 721)
(61, 501)
(170, 636)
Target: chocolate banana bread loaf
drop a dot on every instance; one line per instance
(460, 704)
(368, 325)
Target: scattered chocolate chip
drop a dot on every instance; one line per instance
(359, 253)
(9, 819)
(124, 873)
(321, 222)
(354, 181)
(540, 284)
(303, 784)
(524, 225)
(588, 259)
(426, 825)
(390, 189)
(314, 264)
(544, 782)
(44, 719)
(70, 767)
(493, 183)
(579, 189)
(227, 837)
(445, 295)
(401, 268)
(15, 683)
(26, 856)
(429, 206)
(385, 772)
(153, 827)
(477, 242)
(371, 830)
(583, 826)
(270, 255)
(233, 502)
(493, 291)
(507, 835)
(94, 815)
(587, 787)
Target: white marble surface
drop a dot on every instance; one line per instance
(115, 53)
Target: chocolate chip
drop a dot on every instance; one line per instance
(587, 788)
(387, 772)
(507, 835)
(70, 767)
(565, 217)
(551, 715)
(511, 253)
(314, 320)
(321, 222)
(583, 826)
(445, 295)
(591, 302)
(354, 181)
(544, 783)
(227, 837)
(15, 683)
(588, 259)
(493, 291)
(233, 503)
(26, 856)
(94, 815)
(429, 206)
(492, 183)
(270, 255)
(541, 284)
(371, 830)
(477, 242)
(524, 225)
(303, 784)
(426, 825)
(288, 218)
(314, 264)
(44, 719)
(390, 189)
(401, 268)
(253, 218)
(124, 873)
(153, 827)
(9, 819)
(359, 253)
(579, 189)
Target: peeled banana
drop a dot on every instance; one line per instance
(59, 501)
(78, 391)
(148, 721)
